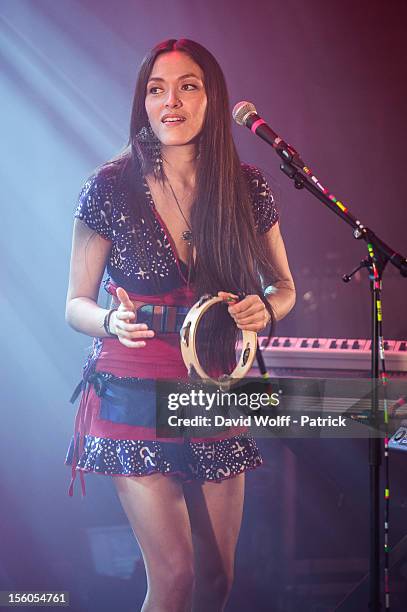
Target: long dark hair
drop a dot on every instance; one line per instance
(230, 254)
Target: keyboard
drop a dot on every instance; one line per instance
(330, 353)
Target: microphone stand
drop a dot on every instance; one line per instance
(379, 255)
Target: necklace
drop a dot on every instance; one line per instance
(186, 234)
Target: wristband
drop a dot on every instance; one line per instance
(106, 323)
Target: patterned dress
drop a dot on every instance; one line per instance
(140, 253)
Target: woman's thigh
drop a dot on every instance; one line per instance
(215, 512)
(157, 512)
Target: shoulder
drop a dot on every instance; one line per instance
(99, 198)
(253, 174)
(264, 207)
(106, 186)
(105, 177)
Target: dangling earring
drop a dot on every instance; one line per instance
(198, 155)
(148, 149)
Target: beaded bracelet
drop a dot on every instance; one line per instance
(106, 323)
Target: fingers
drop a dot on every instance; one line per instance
(248, 311)
(132, 343)
(130, 334)
(258, 326)
(122, 320)
(133, 331)
(252, 312)
(252, 303)
(253, 325)
(125, 301)
(130, 327)
(228, 296)
(125, 315)
(257, 319)
(249, 314)
(255, 328)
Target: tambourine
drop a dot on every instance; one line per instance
(188, 346)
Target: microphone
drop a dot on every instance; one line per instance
(244, 113)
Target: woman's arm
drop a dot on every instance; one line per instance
(251, 313)
(282, 299)
(88, 260)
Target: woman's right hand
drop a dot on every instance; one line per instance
(129, 334)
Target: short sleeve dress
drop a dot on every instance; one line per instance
(140, 251)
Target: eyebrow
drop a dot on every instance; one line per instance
(184, 76)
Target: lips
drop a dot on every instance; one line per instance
(173, 119)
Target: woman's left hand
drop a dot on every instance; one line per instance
(249, 314)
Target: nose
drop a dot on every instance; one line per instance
(173, 100)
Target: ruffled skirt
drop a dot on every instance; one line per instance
(212, 461)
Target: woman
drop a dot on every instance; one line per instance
(175, 216)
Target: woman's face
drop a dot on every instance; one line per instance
(176, 99)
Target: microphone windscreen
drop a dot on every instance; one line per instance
(242, 112)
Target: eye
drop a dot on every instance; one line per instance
(153, 90)
(185, 85)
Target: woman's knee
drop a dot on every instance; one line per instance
(218, 583)
(173, 577)
(179, 577)
(223, 584)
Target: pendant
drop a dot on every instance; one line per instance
(187, 236)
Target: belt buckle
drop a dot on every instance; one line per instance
(162, 318)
